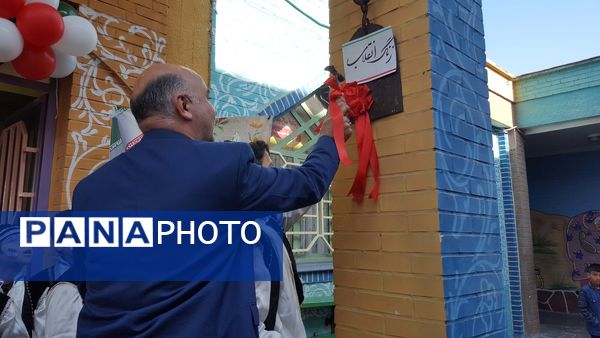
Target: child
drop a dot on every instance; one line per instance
(12, 264)
(589, 301)
(40, 309)
(279, 311)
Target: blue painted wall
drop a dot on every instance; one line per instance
(472, 256)
(564, 184)
(561, 94)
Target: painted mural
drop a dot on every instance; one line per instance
(583, 242)
(243, 129)
(553, 267)
(105, 79)
(564, 247)
(565, 221)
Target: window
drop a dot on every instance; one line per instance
(294, 134)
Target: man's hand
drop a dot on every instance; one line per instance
(327, 126)
(347, 128)
(341, 102)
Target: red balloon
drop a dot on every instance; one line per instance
(10, 8)
(40, 24)
(35, 63)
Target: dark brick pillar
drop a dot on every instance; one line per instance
(523, 220)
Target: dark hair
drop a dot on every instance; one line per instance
(259, 147)
(593, 268)
(156, 97)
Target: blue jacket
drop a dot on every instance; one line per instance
(168, 171)
(589, 306)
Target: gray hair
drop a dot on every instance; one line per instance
(156, 97)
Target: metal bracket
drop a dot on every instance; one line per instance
(364, 7)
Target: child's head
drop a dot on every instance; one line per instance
(262, 155)
(594, 273)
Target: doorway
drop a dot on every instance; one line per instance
(27, 126)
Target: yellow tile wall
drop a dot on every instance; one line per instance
(387, 259)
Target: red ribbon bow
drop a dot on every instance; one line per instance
(359, 100)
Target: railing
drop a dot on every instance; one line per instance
(14, 168)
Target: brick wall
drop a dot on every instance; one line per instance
(469, 225)
(132, 36)
(151, 14)
(523, 219)
(508, 224)
(558, 80)
(559, 94)
(387, 253)
(189, 31)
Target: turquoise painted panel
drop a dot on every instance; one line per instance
(567, 78)
(561, 94)
(582, 103)
(232, 96)
(318, 322)
(318, 290)
(317, 312)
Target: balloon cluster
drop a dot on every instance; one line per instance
(42, 38)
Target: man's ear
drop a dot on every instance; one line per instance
(182, 103)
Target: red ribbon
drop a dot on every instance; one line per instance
(359, 100)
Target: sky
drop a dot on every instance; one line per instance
(256, 40)
(524, 36)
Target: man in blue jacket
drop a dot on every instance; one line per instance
(589, 301)
(176, 167)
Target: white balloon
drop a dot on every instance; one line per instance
(53, 3)
(79, 39)
(11, 41)
(65, 65)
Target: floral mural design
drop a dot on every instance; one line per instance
(583, 242)
(102, 81)
(242, 129)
